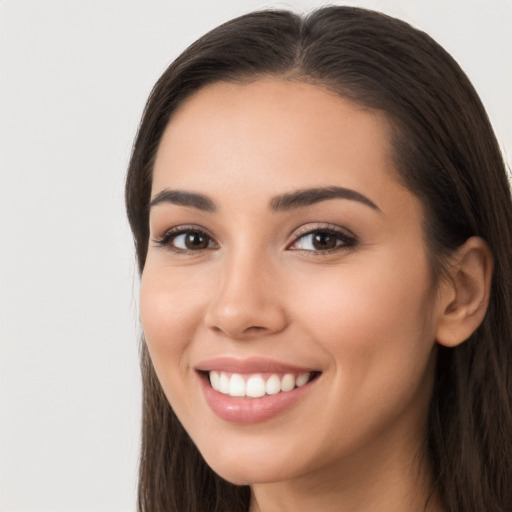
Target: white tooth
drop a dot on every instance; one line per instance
(255, 387)
(302, 378)
(224, 383)
(236, 385)
(273, 385)
(214, 380)
(288, 382)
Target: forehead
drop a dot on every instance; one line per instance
(270, 134)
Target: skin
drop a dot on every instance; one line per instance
(366, 315)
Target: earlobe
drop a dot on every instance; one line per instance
(466, 292)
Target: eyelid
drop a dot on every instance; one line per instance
(164, 240)
(344, 234)
(313, 227)
(348, 238)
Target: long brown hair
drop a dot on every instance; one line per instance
(445, 153)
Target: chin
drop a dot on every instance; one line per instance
(241, 474)
(248, 469)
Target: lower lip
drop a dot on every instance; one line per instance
(250, 410)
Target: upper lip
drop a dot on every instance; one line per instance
(248, 365)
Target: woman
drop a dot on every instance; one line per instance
(322, 221)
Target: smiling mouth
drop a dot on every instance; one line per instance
(257, 385)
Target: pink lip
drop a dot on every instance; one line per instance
(245, 410)
(250, 365)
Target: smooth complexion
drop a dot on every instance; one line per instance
(234, 273)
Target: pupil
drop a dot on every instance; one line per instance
(196, 240)
(324, 241)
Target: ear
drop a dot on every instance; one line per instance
(465, 293)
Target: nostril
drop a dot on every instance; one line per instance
(242, 319)
(255, 329)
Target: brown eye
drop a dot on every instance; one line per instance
(323, 241)
(187, 240)
(195, 240)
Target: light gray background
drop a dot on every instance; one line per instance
(74, 78)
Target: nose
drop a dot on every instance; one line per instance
(247, 303)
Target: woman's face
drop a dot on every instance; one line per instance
(287, 262)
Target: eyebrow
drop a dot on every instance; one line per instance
(183, 198)
(308, 197)
(281, 203)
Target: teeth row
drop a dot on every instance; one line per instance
(255, 386)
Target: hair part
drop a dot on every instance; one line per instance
(445, 153)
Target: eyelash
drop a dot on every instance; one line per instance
(170, 236)
(347, 240)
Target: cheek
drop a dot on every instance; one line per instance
(373, 320)
(375, 327)
(171, 310)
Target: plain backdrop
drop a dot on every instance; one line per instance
(75, 75)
